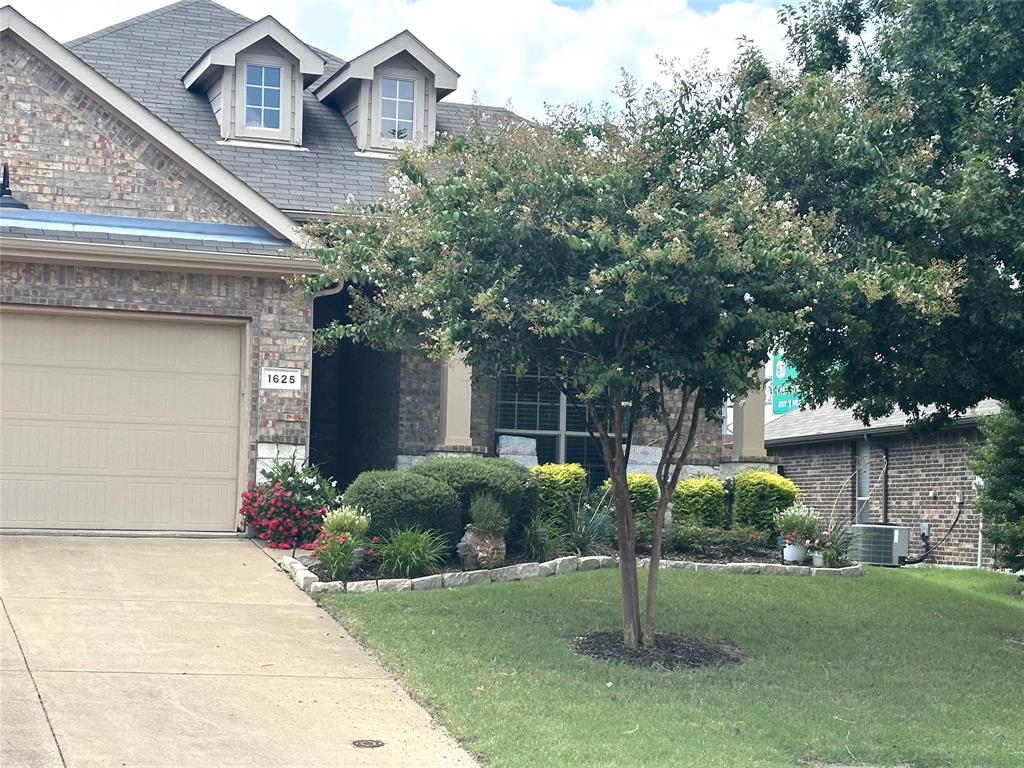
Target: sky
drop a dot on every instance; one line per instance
(523, 52)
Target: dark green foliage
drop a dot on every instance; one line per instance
(589, 525)
(1000, 463)
(701, 500)
(400, 499)
(411, 552)
(689, 538)
(759, 496)
(912, 137)
(512, 485)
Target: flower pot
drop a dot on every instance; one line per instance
(817, 560)
(794, 553)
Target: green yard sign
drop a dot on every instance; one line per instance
(784, 395)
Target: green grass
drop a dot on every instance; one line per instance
(898, 667)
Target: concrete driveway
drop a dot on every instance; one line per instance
(187, 652)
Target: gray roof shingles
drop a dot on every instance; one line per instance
(829, 422)
(11, 231)
(146, 57)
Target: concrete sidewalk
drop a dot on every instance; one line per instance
(187, 652)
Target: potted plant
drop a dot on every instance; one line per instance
(483, 545)
(798, 527)
(833, 547)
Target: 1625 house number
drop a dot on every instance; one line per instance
(280, 378)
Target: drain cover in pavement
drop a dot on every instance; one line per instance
(367, 743)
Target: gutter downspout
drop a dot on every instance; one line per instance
(885, 485)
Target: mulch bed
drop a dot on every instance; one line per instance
(669, 652)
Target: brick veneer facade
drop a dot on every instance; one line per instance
(70, 152)
(919, 485)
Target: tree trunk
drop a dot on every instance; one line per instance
(630, 584)
(654, 567)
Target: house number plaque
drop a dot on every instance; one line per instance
(280, 378)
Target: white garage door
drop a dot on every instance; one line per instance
(118, 422)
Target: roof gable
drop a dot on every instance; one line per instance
(224, 53)
(362, 67)
(12, 22)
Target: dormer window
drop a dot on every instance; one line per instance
(263, 97)
(397, 107)
(254, 80)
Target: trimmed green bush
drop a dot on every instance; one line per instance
(558, 486)
(759, 496)
(689, 538)
(512, 485)
(701, 500)
(643, 498)
(401, 499)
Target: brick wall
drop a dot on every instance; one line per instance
(279, 322)
(68, 151)
(924, 476)
(707, 445)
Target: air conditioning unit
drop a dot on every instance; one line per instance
(879, 544)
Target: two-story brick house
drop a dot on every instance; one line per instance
(154, 352)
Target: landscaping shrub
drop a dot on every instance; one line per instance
(399, 499)
(287, 508)
(409, 553)
(1000, 464)
(701, 500)
(689, 538)
(558, 486)
(336, 553)
(589, 525)
(759, 495)
(511, 484)
(643, 498)
(348, 520)
(797, 524)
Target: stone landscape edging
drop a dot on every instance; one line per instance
(307, 581)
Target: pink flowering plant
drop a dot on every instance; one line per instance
(833, 544)
(287, 507)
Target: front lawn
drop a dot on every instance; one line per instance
(899, 667)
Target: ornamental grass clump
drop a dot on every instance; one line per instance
(287, 508)
(337, 554)
(411, 552)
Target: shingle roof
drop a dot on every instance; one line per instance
(146, 57)
(830, 422)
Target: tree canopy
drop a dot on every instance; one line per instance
(904, 120)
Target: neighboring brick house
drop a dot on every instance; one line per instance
(155, 354)
(885, 473)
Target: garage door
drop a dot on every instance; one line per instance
(111, 421)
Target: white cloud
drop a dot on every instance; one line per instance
(525, 51)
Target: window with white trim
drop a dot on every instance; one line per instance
(397, 108)
(534, 406)
(263, 96)
(863, 482)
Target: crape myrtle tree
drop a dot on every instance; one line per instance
(627, 255)
(904, 121)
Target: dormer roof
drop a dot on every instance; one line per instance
(362, 66)
(224, 53)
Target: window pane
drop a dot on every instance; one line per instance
(272, 118)
(253, 96)
(547, 449)
(405, 110)
(405, 130)
(506, 415)
(253, 116)
(272, 76)
(389, 87)
(253, 74)
(587, 451)
(547, 416)
(272, 97)
(388, 109)
(405, 89)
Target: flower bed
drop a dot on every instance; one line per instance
(307, 580)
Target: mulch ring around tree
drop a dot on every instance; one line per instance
(669, 651)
